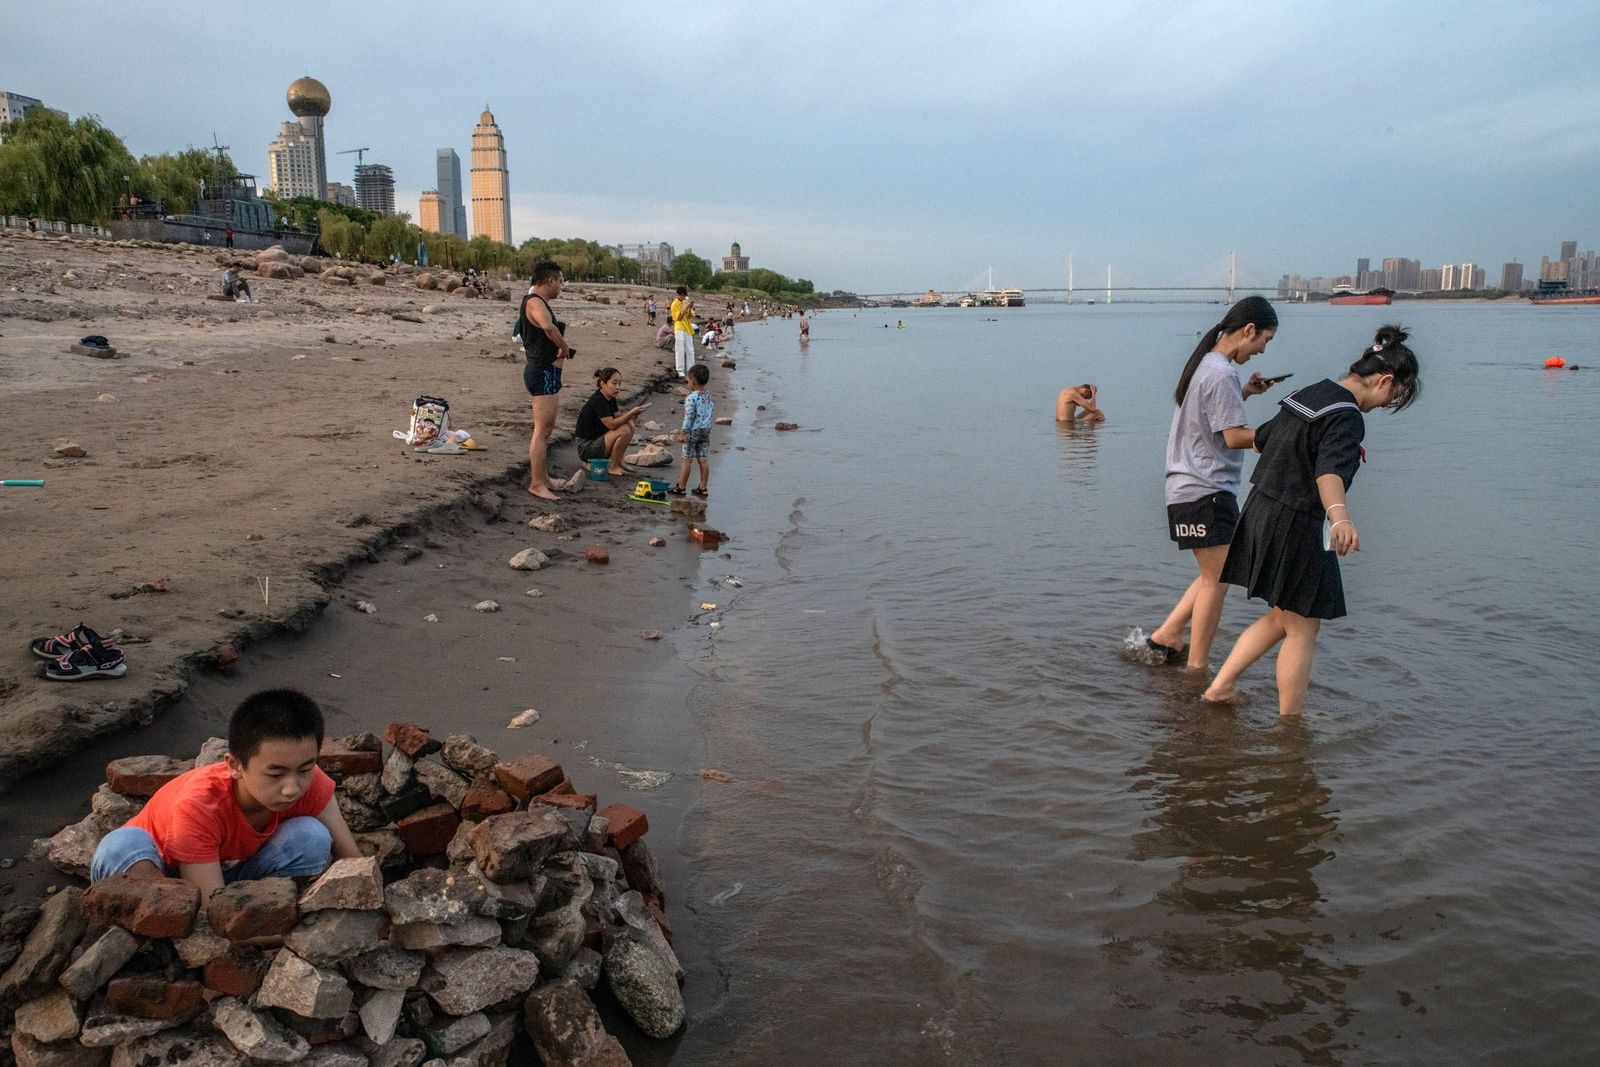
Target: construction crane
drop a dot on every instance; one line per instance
(357, 152)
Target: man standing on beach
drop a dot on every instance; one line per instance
(547, 350)
(682, 312)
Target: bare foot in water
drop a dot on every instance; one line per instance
(542, 492)
(1220, 696)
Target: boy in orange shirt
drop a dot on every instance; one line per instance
(267, 810)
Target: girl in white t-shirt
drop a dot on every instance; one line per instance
(1204, 460)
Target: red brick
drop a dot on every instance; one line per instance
(529, 775)
(484, 799)
(236, 972)
(151, 996)
(412, 740)
(337, 758)
(428, 832)
(627, 824)
(596, 554)
(652, 908)
(576, 801)
(257, 908)
(141, 776)
(563, 787)
(149, 907)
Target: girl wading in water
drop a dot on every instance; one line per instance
(1204, 461)
(1283, 554)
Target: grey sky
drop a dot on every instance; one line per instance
(900, 145)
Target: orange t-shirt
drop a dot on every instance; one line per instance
(195, 819)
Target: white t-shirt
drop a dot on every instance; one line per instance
(1198, 463)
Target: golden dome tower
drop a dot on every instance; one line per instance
(310, 101)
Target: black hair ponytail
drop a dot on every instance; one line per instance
(1254, 311)
(603, 375)
(1389, 355)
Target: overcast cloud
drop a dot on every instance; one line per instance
(900, 146)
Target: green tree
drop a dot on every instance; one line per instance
(689, 269)
(389, 235)
(175, 180)
(339, 235)
(58, 168)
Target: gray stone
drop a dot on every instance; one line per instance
(555, 936)
(601, 868)
(584, 967)
(367, 788)
(465, 980)
(44, 954)
(334, 1056)
(441, 781)
(361, 818)
(102, 959)
(463, 753)
(31, 1053)
(643, 869)
(72, 847)
(327, 937)
(566, 1030)
(380, 1014)
(511, 847)
(212, 751)
(459, 850)
(385, 968)
(630, 911)
(447, 1037)
(427, 896)
(201, 946)
(51, 1018)
(257, 1034)
(311, 992)
(492, 1049)
(476, 932)
(185, 1047)
(501, 900)
(396, 771)
(103, 1027)
(529, 559)
(644, 984)
(353, 884)
(113, 808)
(568, 881)
(577, 820)
(399, 1052)
(597, 834)
(385, 845)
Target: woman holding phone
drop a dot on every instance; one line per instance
(1205, 461)
(602, 430)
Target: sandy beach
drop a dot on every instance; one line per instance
(234, 443)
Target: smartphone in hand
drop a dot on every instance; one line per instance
(1279, 378)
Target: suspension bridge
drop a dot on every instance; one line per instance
(1222, 276)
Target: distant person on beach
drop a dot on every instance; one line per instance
(603, 431)
(229, 235)
(664, 336)
(265, 811)
(696, 432)
(546, 347)
(235, 287)
(1205, 460)
(1296, 523)
(682, 315)
(1076, 398)
(650, 310)
(805, 327)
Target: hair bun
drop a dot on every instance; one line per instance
(1389, 335)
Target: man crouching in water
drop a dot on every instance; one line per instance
(1079, 397)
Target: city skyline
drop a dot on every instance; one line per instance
(918, 145)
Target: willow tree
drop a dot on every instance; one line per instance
(176, 180)
(57, 168)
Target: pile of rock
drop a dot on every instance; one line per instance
(492, 897)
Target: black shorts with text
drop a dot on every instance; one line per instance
(1204, 523)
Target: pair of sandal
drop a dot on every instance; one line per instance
(679, 490)
(78, 655)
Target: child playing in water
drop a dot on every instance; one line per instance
(1310, 452)
(1205, 459)
(696, 432)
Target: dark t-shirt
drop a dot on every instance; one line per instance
(1317, 430)
(589, 425)
(541, 351)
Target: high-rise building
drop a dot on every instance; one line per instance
(1511, 277)
(292, 164)
(431, 212)
(452, 208)
(375, 188)
(1447, 277)
(1568, 249)
(310, 102)
(1466, 274)
(735, 261)
(491, 181)
(1430, 280)
(340, 193)
(1362, 266)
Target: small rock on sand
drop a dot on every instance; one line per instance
(523, 718)
(548, 523)
(536, 592)
(596, 554)
(657, 542)
(430, 617)
(724, 420)
(486, 606)
(529, 559)
(70, 449)
(651, 635)
(366, 607)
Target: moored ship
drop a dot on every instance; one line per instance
(1558, 293)
(1343, 294)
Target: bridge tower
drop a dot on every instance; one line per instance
(1233, 275)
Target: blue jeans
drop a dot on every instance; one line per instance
(302, 846)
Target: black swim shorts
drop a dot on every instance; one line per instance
(541, 381)
(1204, 523)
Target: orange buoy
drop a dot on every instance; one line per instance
(1554, 363)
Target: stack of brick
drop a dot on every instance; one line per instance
(492, 899)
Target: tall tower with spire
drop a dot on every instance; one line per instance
(491, 181)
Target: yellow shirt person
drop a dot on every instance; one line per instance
(682, 312)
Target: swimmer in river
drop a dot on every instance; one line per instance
(1079, 401)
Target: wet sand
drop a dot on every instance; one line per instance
(233, 444)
